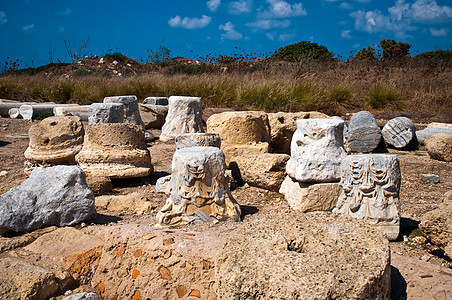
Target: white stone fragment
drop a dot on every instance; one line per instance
(102, 113)
(131, 111)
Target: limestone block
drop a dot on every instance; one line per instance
(439, 146)
(25, 275)
(307, 197)
(184, 116)
(264, 170)
(115, 150)
(283, 125)
(101, 113)
(304, 256)
(439, 125)
(317, 150)
(76, 251)
(137, 202)
(54, 141)
(399, 132)
(50, 196)
(161, 101)
(199, 189)
(153, 116)
(437, 225)
(99, 185)
(364, 134)
(81, 111)
(425, 134)
(131, 111)
(185, 140)
(370, 191)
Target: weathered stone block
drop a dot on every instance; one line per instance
(399, 132)
(101, 113)
(131, 111)
(185, 140)
(156, 101)
(439, 146)
(364, 134)
(153, 116)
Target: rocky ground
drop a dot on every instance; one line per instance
(419, 271)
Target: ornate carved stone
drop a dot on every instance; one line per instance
(54, 141)
(370, 191)
(184, 116)
(115, 150)
(317, 150)
(198, 189)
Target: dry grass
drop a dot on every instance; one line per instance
(334, 88)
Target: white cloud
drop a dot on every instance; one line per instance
(286, 36)
(375, 21)
(3, 18)
(213, 4)
(270, 36)
(283, 9)
(65, 12)
(28, 27)
(190, 23)
(240, 7)
(429, 11)
(230, 32)
(268, 24)
(346, 34)
(346, 5)
(438, 32)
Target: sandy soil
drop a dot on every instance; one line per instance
(411, 252)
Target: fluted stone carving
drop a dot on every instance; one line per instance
(370, 191)
(317, 150)
(115, 150)
(198, 189)
(184, 116)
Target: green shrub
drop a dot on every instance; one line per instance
(302, 51)
(365, 55)
(394, 50)
(380, 97)
(110, 57)
(341, 93)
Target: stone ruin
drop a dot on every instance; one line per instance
(115, 150)
(102, 113)
(198, 189)
(370, 191)
(313, 169)
(131, 111)
(363, 134)
(54, 141)
(184, 116)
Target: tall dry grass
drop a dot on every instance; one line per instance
(334, 88)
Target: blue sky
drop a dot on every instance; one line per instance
(30, 28)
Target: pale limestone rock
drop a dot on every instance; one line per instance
(424, 134)
(31, 111)
(241, 130)
(131, 111)
(153, 116)
(101, 113)
(399, 132)
(317, 150)
(79, 111)
(307, 197)
(161, 186)
(439, 146)
(99, 185)
(54, 141)
(264, 170)
(439, 125)
(161, 101)
(115, 150)
(184, 116)
(370, 191)
(185, 140)
(294, 255)
(363, 134)
(136, 202)
(283, 125)
(199, 189)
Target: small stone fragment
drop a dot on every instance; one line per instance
(149, 236)
(135, 273)
(101, 287)
(195, 293)
(206, 264)
(137, 295)
(120, 251)
(165, 273)
(137, 253)
(188, 266)
(430, 178)
(82, 296)
(168, 242)
(181, 291)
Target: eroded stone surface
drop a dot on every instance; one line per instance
(399, 132)
(424, 134)
(161, 101)
(308, 197)
(184, 116)
(283, 125)
(131, 111)
(54, 141)
(51, 196)
(439, 146)
(264, 170)
(363, 134)
(304, 256)
(115, 150)
(153, 116)
(370, 191)
(199, 189)
(185, 140)
(101, 113)
(317, 150)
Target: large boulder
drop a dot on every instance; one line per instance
(308, 197)
(304, 256)
(363, 134)
(437, 225)
(264, 170)
(283, 125)
(51, 196)
(54, 141)
(439, 146)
